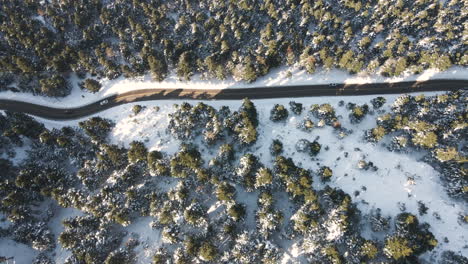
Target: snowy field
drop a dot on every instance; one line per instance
(384, 189)
(277, 77)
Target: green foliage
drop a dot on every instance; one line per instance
(154, 157)
(278, 113)
(137, 151)
(245, 123)
(158, 68)
(332, 254)
(160, 257)
(55, 86)
(378, 133)
(315, 148)
(296, 108)
(425, 139)
(116, 155)
(208, 251)
(185, 162)
(119, 257)
(249, 72)
(447, 154)
(325, 173)
(369, 250)
(276, 147)
(91, 85)
(97, 128)
(397, 248)
(264, 177)
(225, 192)
(136, 109)
(236, 211)
(194, 214)
(184, 66)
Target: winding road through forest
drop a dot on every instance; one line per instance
(231, 94)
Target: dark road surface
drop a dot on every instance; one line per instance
(232, 94)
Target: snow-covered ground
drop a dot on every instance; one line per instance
(277, 77)
(23, 254)
(385, 188)
(401, 178)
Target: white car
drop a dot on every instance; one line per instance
(332, 84)
(104, 102)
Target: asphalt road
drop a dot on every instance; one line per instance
(231, 94)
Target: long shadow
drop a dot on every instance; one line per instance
(232, 94)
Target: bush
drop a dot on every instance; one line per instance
(185, 162)
(225, 192)
(158, 68)
(97, 128)
(276, 147)
(160, 257)
(296, 108)
(312, 148)
(264, 177)
(378, 102)
(55, 86)
(278, 113)
(237, 212)
(397, 248)
(91, 85)
(325, 173)
(153, 159)
(137, 152)
(136, 109)
(119, 257)
(208, 252)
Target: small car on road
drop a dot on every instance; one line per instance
(332, 84)
(104, 102)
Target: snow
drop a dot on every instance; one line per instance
(22, 254)
(277, 77)
(400, 178)
(149, 238)
(149, 126)
(21, 152)
(60, 254)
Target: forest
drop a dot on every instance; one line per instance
(198, 201)
(44, 43)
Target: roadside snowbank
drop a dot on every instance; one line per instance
(277, 77)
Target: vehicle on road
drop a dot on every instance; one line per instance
(332, 84)
(104, 102)
(68, 111)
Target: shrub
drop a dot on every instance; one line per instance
(237, 212)
(91, 85)
(55, 86)
(225, 192)
(397, 248)
(325, 173)
(137, 151)
(276, 147)
(278, 113)
(263, 177)
(208, 252)
(136, 109)
(296, 108)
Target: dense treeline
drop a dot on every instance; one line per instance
(43, 42)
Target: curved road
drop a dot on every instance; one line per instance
(231, 94)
